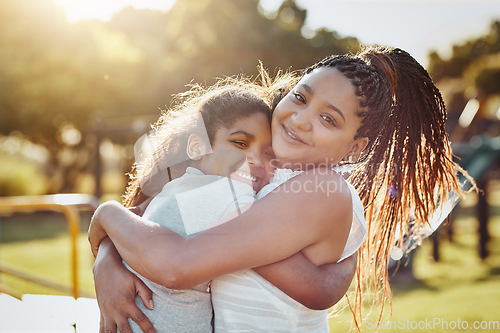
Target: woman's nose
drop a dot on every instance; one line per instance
(301, 120)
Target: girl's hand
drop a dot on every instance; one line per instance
(116, 288)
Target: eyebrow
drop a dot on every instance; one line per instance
(328, 105)
(250, 136)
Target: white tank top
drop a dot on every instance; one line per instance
(246, 302)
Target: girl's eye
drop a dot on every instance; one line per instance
(329, 119)
(240, 144)
(299, 97)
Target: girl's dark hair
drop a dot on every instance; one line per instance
(220, 106)
(407, 169)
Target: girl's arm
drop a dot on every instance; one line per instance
(285, 222)
(116, 288)
(315, 287)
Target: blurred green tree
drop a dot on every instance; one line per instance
(473, 71)
(464, 54)
(66, 86)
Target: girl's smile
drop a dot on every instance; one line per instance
(243, 151)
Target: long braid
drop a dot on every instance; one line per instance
(407, 170)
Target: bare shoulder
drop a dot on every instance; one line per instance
(322, 188)
(330, 203)
(324, 182)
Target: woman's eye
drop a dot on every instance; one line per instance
(299, 97)
(329, 119)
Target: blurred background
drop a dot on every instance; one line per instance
(81, 81)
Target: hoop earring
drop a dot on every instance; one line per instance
(345, 168)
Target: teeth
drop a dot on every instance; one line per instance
(246, 176)
(291, 135)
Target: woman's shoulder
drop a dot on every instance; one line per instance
(327, 179)
(323, 185)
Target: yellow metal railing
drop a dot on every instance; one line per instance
(69, 205)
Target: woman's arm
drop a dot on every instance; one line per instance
(316, 287)
(273, 229)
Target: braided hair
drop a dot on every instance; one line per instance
(407, 169)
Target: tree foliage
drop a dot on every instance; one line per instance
(472, 72)
(54, 73)
(97, 77)
(465, 57)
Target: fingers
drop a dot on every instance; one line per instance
(144, 293)
(94, 250)
(119, 320)
(94, 246)
(123, 326)
(106, 327)
(142, 207)
(143, 321)
(136, 210)
(117, 305)
(110, 326)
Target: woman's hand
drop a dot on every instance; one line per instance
(141, 208)
(116, 288)
(96, 230)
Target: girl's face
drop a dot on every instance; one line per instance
(243, 151)
(315, 124)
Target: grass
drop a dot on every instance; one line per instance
(39, 244)
(459, 287)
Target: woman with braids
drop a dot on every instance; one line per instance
(229, 116)
(378, 110)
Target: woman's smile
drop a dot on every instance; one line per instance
(291, 136)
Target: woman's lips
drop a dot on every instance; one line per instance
(291, 136)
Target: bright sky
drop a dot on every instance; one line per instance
(416, 26)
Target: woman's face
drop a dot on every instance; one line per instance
(315, 124)
(243, 151)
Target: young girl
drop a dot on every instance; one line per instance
(379, 108)
(224, 134)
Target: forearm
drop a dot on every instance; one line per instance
(316, 287)
(270, 231)
(146, 246)
(107, 254)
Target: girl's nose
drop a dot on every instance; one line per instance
(300, 120)
(254, 157)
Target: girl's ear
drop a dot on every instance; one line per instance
(196, 147)
(358, 147)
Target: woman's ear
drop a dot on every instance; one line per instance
(196, 147)
(358, 147)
